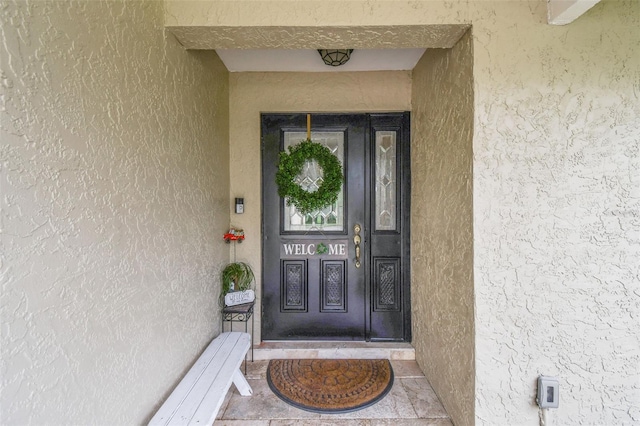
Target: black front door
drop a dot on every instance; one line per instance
(342, 272)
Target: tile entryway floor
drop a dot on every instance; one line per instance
(411, 401)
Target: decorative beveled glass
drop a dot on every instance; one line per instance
(385, 193)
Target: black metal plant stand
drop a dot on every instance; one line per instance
(240, 313)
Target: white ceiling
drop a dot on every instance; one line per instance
(274, 60)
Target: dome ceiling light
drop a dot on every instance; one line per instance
(335, 57)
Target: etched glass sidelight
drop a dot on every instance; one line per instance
(385, 209)
(330, 218)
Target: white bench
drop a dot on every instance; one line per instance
(198, 397)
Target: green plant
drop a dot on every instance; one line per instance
(290, 166)
(236, 276)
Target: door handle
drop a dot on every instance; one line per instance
(357, 240)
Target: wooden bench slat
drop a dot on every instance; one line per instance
(214, 382)
(186, 385)
(218, 389)
(200, 394)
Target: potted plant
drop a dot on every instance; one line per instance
(236, 276)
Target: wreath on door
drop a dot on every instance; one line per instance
(290, 166)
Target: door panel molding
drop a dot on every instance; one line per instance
(294, 286)
(333, 286)
(386, 284)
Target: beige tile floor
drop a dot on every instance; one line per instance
(411, 401)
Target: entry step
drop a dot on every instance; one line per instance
(334, 350)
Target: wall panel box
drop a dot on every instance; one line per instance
(548, 392)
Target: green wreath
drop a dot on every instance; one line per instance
(290, 167)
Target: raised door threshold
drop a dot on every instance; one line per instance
(334, 350)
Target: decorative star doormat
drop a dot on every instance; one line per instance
(330, 385)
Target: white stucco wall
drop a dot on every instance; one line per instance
(114, 197)
(556, 213)
(111, 210)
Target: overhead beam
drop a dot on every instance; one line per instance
(316, 37)
(563, 12)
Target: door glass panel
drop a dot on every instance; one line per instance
(385, 210)
(330, 218)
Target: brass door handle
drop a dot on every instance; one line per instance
(357, 240)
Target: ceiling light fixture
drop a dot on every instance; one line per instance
(335, 57)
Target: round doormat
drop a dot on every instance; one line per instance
(330, 385)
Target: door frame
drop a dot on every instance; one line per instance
(374, 121)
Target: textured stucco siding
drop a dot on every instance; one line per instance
(254, 93)
(114, 192)
(115, 187)
(442, 225)
(556, 213)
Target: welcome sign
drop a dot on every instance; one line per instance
(336, 249)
